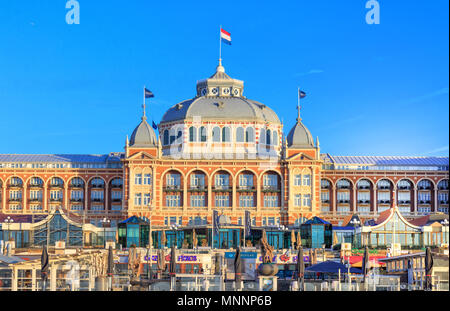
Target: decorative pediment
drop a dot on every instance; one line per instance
(141, 155)
(299, 156)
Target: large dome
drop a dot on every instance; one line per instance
(221, 108)
(220, 98)
(143, 135)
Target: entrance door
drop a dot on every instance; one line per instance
(223, 239)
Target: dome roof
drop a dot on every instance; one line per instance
(143, 135)
(300, 137)
(221, 108)
(220, 98)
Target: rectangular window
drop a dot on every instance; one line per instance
(270, 181)
(222, 201)
(35, 194)
(197, 200)
(173, 180)
(222, 181)
(271, 201)
(116, 195)
(147, 179)
(77, 195)
(307, 200)
(297, 200)
(97, 195)
(173, 220)
(56, 194)
(138, 179)
(173, 200)
(297, 180)
(138, 199)
(325, 197)
(307, 180)
(271, 221)
(343, 196)
(197, 181)
(246, 181)
(146, 199)
(246, 201)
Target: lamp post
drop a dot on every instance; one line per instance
(9, 221)
(445, 224)
(104, 222)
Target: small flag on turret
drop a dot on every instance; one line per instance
(148, 94)
(225, 36)
(301, 94)
(154, 125)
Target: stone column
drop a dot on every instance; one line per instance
(435, 200)
(24, 198)
(415, 199)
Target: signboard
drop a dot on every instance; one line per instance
(244, 255)
(284, 258)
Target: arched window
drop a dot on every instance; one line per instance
(226, 134)
(240, 135)
(262, 136)
(249, 135)
(268, 137)
(166, 137)
(275, 138)
(192, 134)
(202, 134)
(216, 134)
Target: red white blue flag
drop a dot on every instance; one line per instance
(225, 36)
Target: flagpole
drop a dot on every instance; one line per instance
(298, 103)
(143, 105)
(220, 43)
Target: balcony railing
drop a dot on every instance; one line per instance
(116, 185)
(343, 201)
(176, 188)
(404, 202)
(97, 200)
(363, 187)
(56, 186)
(364, 201)
(270, 189)
(36, 185)
(117, 200)
(223, 188)
(98, 186)
(246, 189)
(76, 186)
(35, 200)
(76, 199)
(384, 201)
(443, 202)
(326, 201)
(15, 199)
(56, 199)
(197, 189)
(424, 202)
(15, 185)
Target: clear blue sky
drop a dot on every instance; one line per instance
(371, 89)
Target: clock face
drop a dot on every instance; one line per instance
(204, 92)
(226, 91)
(236, 92)
(215, 91)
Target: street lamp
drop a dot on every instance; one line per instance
(150, 242)
(445, 224)
(8, 220)
(105, 221)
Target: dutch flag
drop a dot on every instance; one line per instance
(225, 36)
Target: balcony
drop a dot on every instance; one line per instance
(98, 186)
(364, 201)
(404, 188)
(384, 188)
(197, 189)
(34, 200)
(76, 200)
(56, 199)
(343, 201)
(246, 189)
(384, 201)
(96, 200)
(12, 186)
(76, 186)
(424, 202)
(404, 202)
(172, 188)
(58, 186)
(325, 201)
(15, 200)
(270, 189)
(224, 188)
(40, 186)
(443, 202)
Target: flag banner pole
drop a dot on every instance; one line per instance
(220, 43)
